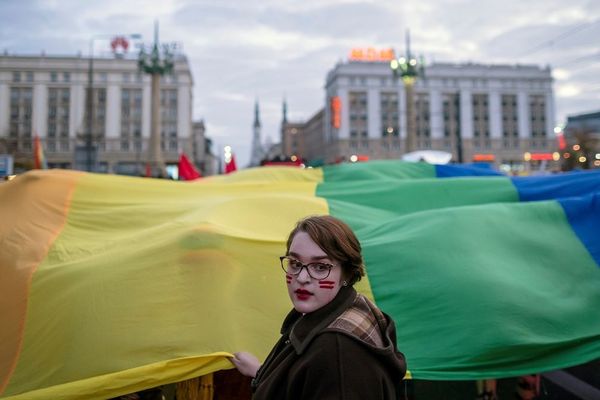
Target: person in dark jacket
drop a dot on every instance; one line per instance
(335, 343)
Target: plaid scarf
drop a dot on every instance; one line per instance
(362, 320)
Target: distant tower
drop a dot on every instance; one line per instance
(283, 126)
(257, 151)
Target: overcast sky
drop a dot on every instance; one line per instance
(242, 50)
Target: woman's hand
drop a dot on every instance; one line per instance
(246, 363)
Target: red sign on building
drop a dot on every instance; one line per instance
(336, 111)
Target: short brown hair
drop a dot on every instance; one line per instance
(337, 240)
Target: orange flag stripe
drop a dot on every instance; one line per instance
(42, 225)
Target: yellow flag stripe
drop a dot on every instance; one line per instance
(132, 380)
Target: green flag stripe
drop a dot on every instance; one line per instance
(483, 291)
(382, 169)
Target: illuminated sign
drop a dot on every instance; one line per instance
(539, 156)
(371, 54)
(542, 156)
(359, 158)
(336, 111)
(484, 157)
(119, 45)
(562, 144)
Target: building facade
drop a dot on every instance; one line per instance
(47, 96)
(304, 139)
(202, 151)
(581, 147)
(493, 113)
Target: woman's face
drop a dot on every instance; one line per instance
(309, 294)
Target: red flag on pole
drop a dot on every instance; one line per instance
(187, 171)
(230, 164)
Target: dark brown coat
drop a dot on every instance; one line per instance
(344, 350)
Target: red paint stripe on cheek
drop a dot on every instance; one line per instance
(326, 282)
(326, 287)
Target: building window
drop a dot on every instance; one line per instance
(20, 117)
(53, 76)
(98, 111)
(58, 114)
(509, 118)
(358, 111)
(451, 110)
(537, 112)
(29, 76)
(480, 118)
(16, 76)
(168, 104)
(66, 77)
(422, 117)
(131, 115)
(389, 114)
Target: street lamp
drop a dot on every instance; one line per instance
(156, 65)
(409, 69)
(89, 137)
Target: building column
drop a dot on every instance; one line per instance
(374, 113)
(402, 122)
(77, 123)
(4, 109)
(184, 118)
(146, 111)
(550, 118)
(495, 114)
(523, 115)
(466, 114)
(113, 112)
(40, 110)
(436, 118)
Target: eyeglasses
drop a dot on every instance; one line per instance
(317, 270)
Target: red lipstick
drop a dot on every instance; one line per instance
(302, 294)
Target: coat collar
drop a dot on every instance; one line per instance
(303, 328)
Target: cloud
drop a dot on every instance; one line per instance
(567, 90)
(240, 50)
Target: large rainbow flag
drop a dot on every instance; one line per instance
(112, 284)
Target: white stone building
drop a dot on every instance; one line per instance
(46, 96)
(500, 112)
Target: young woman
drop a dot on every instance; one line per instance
(335, 343)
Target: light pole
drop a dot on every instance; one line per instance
(89, 137)
(156, 65)
(409, 69)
